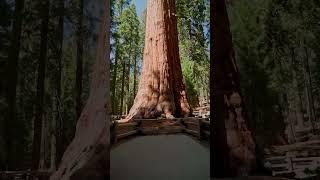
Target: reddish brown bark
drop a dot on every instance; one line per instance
(87, 156)
(233, 151)
(161, 91)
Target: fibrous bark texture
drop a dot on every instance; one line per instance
(87, 157)
(233, 151)
(161, 91)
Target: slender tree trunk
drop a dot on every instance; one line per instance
(128, 87)
(79, 72)
(59, 123)
(308, 84)
(122, 85)
(128, 103)
(44, 137)
(161, 90)
(40, 84)
(233, 148)
(114, 78)
(135, 75)
(12, 78)
(53, 134)
(87, 156)
(298, 107)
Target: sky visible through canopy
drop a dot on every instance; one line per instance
(141, 6)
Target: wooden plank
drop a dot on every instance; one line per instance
(127, 134)
(306, 159)
(276, 158)
(163, 119)
(280, 172)
(191, 132)
(190, 122)
(280, 166)
(161, 130)
(127, 124)
(296, 145)
(170, 130)
(125, 130)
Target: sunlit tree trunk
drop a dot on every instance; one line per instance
(233, 147)
(87, 156)
(161, 90)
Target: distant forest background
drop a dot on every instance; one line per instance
(276, 44)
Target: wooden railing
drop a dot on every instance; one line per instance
(295, 158)
(123, 130)
(24, 175)
(198, 127)
(287, 164)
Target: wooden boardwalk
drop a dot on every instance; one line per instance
(198, 127)
(161, 157)
(178, 151)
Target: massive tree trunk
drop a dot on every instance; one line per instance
(12, 77)
(38, 120)
(161, 90)
(233, 151)
(87, 157)
(79, 72)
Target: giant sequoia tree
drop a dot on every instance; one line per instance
(233, 151)
(161, 90)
